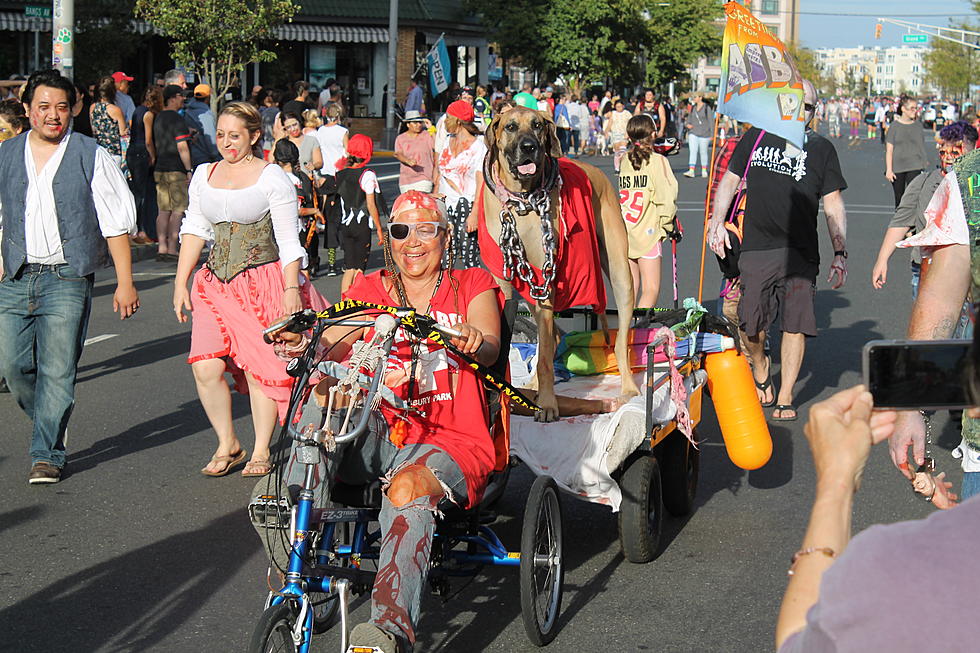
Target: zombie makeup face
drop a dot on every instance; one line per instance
(49, 113)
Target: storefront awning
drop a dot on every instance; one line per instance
(332, 33)
(13, 22)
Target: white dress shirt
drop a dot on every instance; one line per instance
(114, 204)
(273, 193)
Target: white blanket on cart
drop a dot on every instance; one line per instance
(581, 452)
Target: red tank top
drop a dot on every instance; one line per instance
(448, 394)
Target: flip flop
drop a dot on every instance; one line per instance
(782, 408)
(230, 461)
(250, 466)
(765, 385)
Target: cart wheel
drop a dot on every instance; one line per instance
(680, 463)
(641, 513)
(542, 566)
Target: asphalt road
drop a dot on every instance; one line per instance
(137, 551)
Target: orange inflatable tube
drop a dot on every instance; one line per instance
(743, 424)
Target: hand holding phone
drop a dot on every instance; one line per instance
(917, 374)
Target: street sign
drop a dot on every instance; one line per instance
(914, 38)
(37, 12)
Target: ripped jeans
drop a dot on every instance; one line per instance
(407, 531)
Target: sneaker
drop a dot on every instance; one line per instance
(44, 472)
(334, 270)
(368, 638)
(689, 173)
(704, 173)
(3, 385)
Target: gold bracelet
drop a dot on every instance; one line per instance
(826, 550)
(290, 288)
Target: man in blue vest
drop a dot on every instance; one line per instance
(65, 208)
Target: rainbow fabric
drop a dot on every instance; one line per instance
(759, 80)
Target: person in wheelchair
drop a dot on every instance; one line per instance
(438, 450)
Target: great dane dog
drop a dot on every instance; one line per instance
(522, 154)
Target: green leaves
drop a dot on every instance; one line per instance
(951, 67)
(586, 40)
(218, 37)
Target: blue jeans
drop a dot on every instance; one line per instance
(44, 313)
(697, 145)
(971, 485)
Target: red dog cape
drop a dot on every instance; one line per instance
(578, 275)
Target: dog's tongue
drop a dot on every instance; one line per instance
(527, 168)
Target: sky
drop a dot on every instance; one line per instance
(840, 30)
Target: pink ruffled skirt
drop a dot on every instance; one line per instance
(228, 319)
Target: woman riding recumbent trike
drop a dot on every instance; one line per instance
(415, 428)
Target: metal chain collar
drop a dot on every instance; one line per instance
(511, 245)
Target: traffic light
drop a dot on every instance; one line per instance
(878, 31)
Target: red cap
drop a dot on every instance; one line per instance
(119, 76)
(360, 146)
(461, 109)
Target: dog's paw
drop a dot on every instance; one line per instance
(549, 410)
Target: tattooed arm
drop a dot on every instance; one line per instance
(942, 292)
(833, 207)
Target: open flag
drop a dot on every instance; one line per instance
(759, 80)
(439, 67)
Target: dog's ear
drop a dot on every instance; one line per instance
(490, 140)
(552, 144)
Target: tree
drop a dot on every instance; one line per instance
(105, 37)
(679, 32)
(578, 40)
(809, 68)
(950, 67)
(218, 37)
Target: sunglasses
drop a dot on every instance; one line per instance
(424, 230)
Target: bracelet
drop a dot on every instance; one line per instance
(290, 288)
(841, 253)
(826, 550)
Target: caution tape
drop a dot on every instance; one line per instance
(423, 326)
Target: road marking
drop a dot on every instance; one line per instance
(155, 274)
(387, 177)
(104, 336)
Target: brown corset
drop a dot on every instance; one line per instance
(238, 247)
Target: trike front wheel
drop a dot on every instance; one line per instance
(274, 631)
(542, 566)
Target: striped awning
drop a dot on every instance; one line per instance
(12, 22)
(332, 33)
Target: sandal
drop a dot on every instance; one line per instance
(766, 385)
(258, 468)
(783, 408)
(230, 461)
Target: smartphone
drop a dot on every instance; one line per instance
(917, 374)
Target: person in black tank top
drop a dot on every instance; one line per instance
(140, 158)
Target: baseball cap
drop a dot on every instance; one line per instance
(461, 109)
(171, 91)
(119, 76)
(526, 100)
(202, 90)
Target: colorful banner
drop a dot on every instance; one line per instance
(759, 80)
(439, 67)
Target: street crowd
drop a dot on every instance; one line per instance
(262, 185)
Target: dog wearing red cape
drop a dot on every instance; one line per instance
(548, 228)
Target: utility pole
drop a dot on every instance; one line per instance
(390, 131)
(63, 37)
